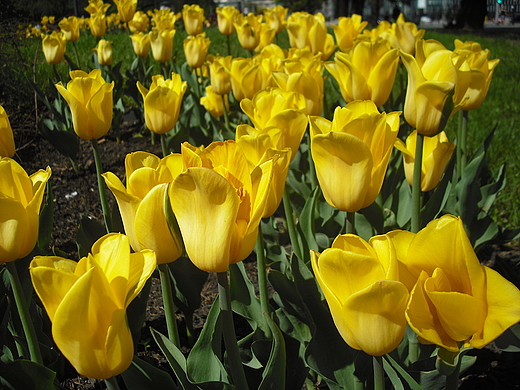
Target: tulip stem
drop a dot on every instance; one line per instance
(350, 223)
(169, 305)
(228, 45)
(112, 383)
(291, 226)
(452, 380)
(379, 373)
(312, 170)
(228, 329)
(262, 279)
(462, 137)
(164, 145)
(416, 186)
(101, 185)
(224, 110)
(78, 64)
(23, 311)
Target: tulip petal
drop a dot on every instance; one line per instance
(209, 227)
(17, 230)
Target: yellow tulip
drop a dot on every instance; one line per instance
(54, 46)
(162, 44)
(193, 16)
(481, 70)
(433, 76)
(226, 19)
(7, 147)
(104, 52)
(437, 152)
(366, 72)
(195, 50)
(70, 28)
(87, 300)
(219, 203)
(347, 30)
(455, 300)
(20, 200)
(139, 23)
(162, 102)
(247, 78)
(276, 111)
(90, 100)
(97, 6)
(376, 33)
(142, 203)
(275, 17)
(351, 153)
(266, 35)
(126, 9)
(141, 44)
(213, 102)
(306, 30)
(361, 284)
(248, 30)
(219, 74)
(403, 35)
(306, 79)
(260, 146)
(164, 19)
(98, 24)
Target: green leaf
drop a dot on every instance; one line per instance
(273, 377)
(89, 232)
(392, 375)
(65, 142)
(25, 374)
(307, 226)
(143, 376)
(407, 377)
(175, 358)
(509, 341)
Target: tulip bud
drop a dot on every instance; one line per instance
(104, 52)
(226, 18)
(126, 9)
(195, 50)
(162, 44)
(213, 102)
(141, 44)
(193, 16)
(54, 46)
(70, 28)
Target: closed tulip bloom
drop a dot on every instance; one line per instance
(162, 102)
(366, 72)
(281, 111)
(104, 52)
(361, 284)
(141, 44)
(139, 23)
(266, 34)
(219, 74)
(226, 19)
(126, 9)
(193, 16)
(275, 17)
(98, 24)
(142, 203)
(247, 78)
(347, 30)
(437, 152)
(195, 50)
(219, 203)
(54, 46)
(87, 300)
(481, 70)
(306, 30)
(70, 28)
(7, 147)
(260, 146)
(403, 35)
(162, 44)
(351, 153)
(21, 196)
(248, 30)
(433, 78)
(213, 102)
(456, 300)
(91, 103)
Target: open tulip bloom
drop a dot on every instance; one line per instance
(87, 300)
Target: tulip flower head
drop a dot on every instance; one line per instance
(361, 284)
(403, 35)
(195, 50)
(141, 44)
(162, 44)
(226, 19)
(70, 28)
(98, 24)
(347, 30)
(219, 74)
(219, 203)
(87, 300)
(91, 102)
(248, 30)
(247, 78)
(193, 16)
(162, 102)
(104, 52)
(126, 9)
(351, 153)
(366, 72)
(456, 300)
(21, 196)
(7, 147)
(275, 17)
(213, 102)
(139, 23)
(54, 46)
(142, 203)
(437, 152)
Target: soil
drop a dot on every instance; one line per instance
(76, 196)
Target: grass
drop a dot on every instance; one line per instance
(21, 59)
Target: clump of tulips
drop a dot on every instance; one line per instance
(378, 265)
